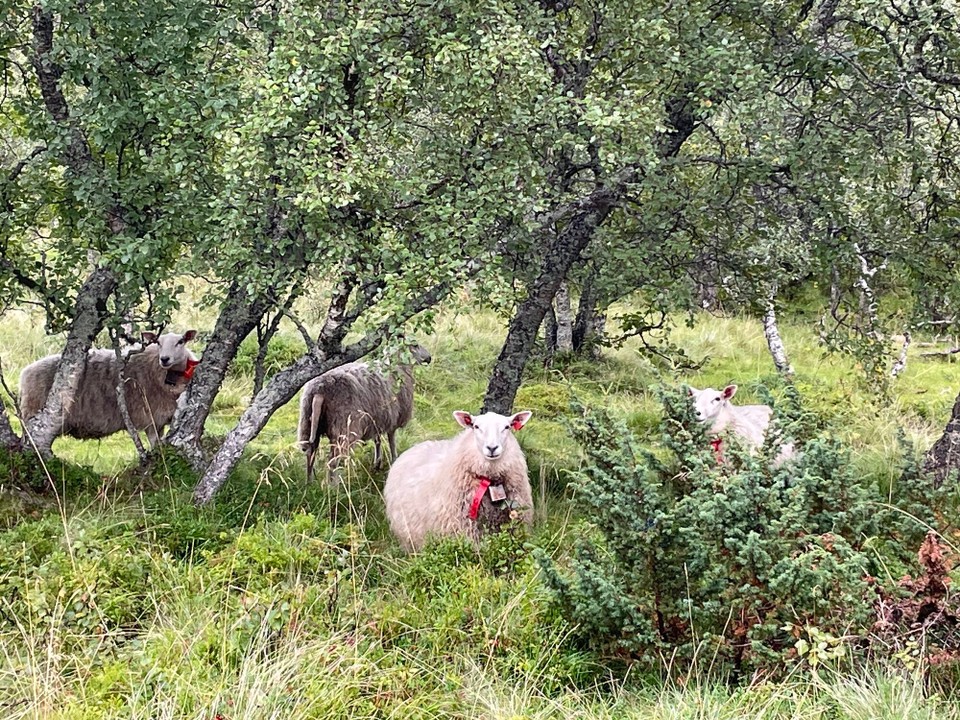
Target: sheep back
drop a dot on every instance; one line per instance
(356, 403)
(431, 486)
(94, 412)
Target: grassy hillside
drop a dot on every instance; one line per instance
(120, 599)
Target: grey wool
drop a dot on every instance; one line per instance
(354, 403)
(155, 378)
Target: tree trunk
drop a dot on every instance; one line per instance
(561, 254)
(90, 315)
(944, 457)
(550, 332)
(901, 362)
(121, 382)
(585, 216)
(278, 391)
(90, 308)
(239, 316)
(589, 323)
(9, 440)
(564, 317)
(774, 342)
(327, 353)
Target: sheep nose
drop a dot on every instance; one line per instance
(492, 450)
(165, 360)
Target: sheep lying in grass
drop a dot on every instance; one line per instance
(748, 422)
(353, 403)
(468, 485)
(155, 378)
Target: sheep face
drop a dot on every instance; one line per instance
(490, 430)
(708, 403)
(173, 347)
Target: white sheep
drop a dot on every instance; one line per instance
(353, 403)
(155, 378)
(748, 422)
(468, 485)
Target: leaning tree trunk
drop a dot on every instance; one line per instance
(327, 353)
(90, 308)
(90, 315)
(582, 217)
(561, 254)
(238, 318)
(277, 392)
(944, 457)
(9, 440)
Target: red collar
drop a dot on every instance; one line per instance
(191, 366)
(478, 496)
(717, 445)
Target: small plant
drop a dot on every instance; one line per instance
(918, 622)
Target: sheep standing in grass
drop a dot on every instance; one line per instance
(468, 485)
(154, 380)
(748, 422)
(353, 403)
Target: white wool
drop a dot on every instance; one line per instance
(431, 486)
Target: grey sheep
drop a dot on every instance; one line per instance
(353, 403)
(469, 485)
(155, 378)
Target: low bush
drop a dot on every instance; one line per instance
(686, 555)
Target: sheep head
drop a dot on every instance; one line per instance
(491, 430)
(708, 403)
(173, 347)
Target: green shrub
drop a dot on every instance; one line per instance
(25, 470)
(281, 352)
(685, 554)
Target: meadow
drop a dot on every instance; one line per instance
(120, 599)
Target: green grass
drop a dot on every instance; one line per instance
(119, 599)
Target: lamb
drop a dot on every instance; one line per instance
(748, 422)
(354, 403)
(155, 378)
(468, 485)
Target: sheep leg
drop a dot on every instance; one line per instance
(311, 455)
(153, 436)
(377, 453)
(392, 439)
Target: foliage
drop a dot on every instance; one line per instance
(281, 352)
(689, 556)
(29, 472)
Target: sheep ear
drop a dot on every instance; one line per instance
(463, 418)
(691, 390)
(520, 419)
(729, 391)
(148, 337)
(189, 335)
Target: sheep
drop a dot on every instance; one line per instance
(155, 378)
(468, 485)
(354, 403)
(748, 422)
